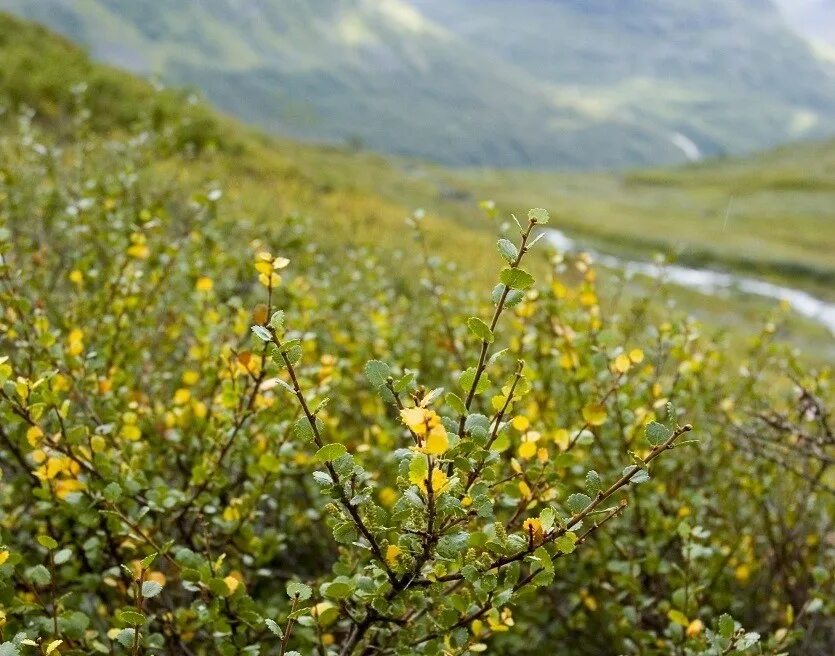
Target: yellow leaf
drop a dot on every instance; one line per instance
(636, 355)
(437, 442)
(742, 573)
(4, 556)
(520, 423)
(34, 435)
(677, 617)
(415, 419)
(75, 342)
(533, 528)
(392, 554)
(269, 280)
(388, 495)
(181, 396)
(562, 438)
(190, 377)
(569, 360)
(264, 267)
(527, 450)
(131, 432)
(231, 514)
(199, 409)
(594, 414)
(52, 646)
(54, 466)
(139, 250)
(159, 577)
(232, 583)
(695, 628)
(622, 364)
(439, 481)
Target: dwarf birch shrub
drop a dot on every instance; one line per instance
(218, 438)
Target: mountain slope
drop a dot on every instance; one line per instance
(779, 224)
(548, 83)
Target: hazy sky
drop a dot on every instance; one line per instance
(813, 18)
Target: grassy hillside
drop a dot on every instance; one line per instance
(263, 175)
(364, 198)
(554, 84)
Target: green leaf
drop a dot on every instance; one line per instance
(290, 346)
(727, 626)
(47, 542)
(539, 215)
(277, 321)
(640, 476)
(303, 430)
(547, 517)
(466, 379)
(456, 403)
(453, 544)
(262, 333)
(219, 587)
(657, 433)
(62, 556)
(747, 641)
(151, 589)
(418, 468)
(345, 533)
(566, 542)
(148, 560)
(516, 278)
(578, 502)
(514, 297)
(330, 452)
(112, 492)
(125, 637)
(377, 372)
(130, 617)
(593, 482)
(273, 626)
(39, 575)
(339, 588)
(544, 559)
(298, 589)
(508, 250)
(480, 329)
(406, 382)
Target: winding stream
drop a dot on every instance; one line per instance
(707, 281)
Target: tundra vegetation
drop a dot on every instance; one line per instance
(220, 435)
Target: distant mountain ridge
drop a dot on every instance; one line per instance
(583, 84)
